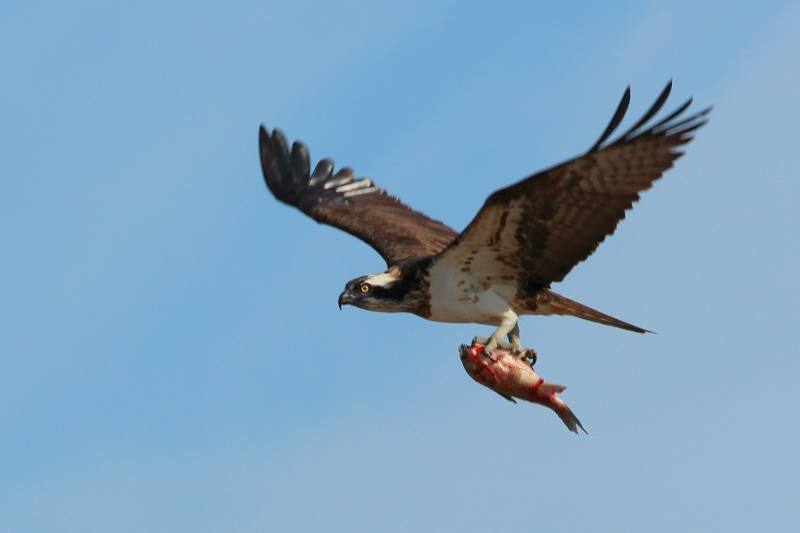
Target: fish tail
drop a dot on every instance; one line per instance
(568, 417)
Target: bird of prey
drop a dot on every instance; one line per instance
(524, 238)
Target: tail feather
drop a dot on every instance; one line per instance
(561, 305)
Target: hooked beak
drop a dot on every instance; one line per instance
(344, 299)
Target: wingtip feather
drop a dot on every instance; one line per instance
(619, 114)
(650, 113)
(301, 165)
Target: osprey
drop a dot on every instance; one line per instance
(524, 238)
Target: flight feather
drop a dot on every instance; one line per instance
(355, 205)
(538, 229)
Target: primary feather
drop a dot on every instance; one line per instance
(356, 205)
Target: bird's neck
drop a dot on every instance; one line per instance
(412, 290)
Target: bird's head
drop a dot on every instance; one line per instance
(377, 292)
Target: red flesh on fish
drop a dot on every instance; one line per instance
(511, 376)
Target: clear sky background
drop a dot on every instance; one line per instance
(171, 353)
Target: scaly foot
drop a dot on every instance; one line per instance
(499, 345)
(518, 349)
(489, 348)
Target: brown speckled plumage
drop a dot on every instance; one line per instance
(526, 236)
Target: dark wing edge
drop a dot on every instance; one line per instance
(668, 131)
(572, 207)
(667, 127)
(354, 205)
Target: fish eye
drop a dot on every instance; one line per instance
(365, 288)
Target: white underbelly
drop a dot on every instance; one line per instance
(461, 298)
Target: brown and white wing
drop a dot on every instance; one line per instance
(356, 205)
(535, 231)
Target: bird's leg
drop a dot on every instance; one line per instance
(513, 338)
(520, 351)
(507, 324)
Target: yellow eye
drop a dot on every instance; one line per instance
(364, 288)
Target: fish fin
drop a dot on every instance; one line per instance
(551, 388)
(507, 397)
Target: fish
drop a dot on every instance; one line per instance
(512, 376)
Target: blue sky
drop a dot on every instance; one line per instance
(172, 358)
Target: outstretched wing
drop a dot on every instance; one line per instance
(537, 230)
(355, 205)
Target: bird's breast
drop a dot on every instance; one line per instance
(462, 297)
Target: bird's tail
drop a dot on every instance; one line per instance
(561, 305)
